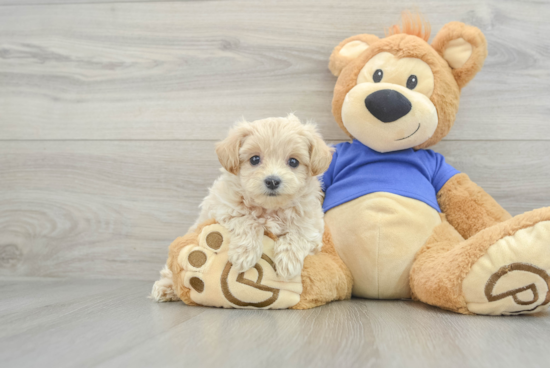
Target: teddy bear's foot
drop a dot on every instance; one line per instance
(513, 277)
(213, 281)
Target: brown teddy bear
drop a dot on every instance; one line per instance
(407, 224)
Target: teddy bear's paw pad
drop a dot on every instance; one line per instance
(213, 281)
(513, 277)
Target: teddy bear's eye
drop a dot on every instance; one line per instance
(377, 76)
(254, 160)
(412, 82)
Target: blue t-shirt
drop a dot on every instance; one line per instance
(357, 170)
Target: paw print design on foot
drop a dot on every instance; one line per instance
(214, 282)
(513, 277)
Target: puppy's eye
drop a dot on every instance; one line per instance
(412, 82)
(293, 162)
(377, 76)
(254, 160)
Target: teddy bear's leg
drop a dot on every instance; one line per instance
(427, 276)
(202, 275)
(325, 277)
(503, 269)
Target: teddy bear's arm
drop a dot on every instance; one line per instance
(468, 208)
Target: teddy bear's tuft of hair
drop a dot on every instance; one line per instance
(412, 24)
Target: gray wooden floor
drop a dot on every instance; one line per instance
(109, 110)
(101, 323)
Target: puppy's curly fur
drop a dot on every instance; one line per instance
(243, 200)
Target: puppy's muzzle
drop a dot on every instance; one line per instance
(387, 105)
(272, 182)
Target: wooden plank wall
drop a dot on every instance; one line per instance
(109, 111)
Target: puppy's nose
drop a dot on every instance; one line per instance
(387, 105)
(272, 182)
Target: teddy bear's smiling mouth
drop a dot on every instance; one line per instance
(400, 139)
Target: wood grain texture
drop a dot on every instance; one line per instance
(99, 208)
(110, 209)
(80, 2)
(187, 70)
(94, 323)
(62, 323)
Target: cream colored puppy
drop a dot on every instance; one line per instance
(268, 182)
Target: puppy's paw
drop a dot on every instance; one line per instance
(163, 289)
(163, 292)
(288, 264)
(242, 257)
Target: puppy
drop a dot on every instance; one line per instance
(268, 182)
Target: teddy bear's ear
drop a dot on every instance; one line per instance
(348, 50)
(464, 48)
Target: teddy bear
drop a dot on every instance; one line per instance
(406, 223)
(400, 222)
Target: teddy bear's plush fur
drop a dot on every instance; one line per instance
(473, 257)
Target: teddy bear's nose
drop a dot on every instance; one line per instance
(387, 105)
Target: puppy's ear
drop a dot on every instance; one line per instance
(320, 154)
(464, 48)
(228, 149)
(348, 50)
